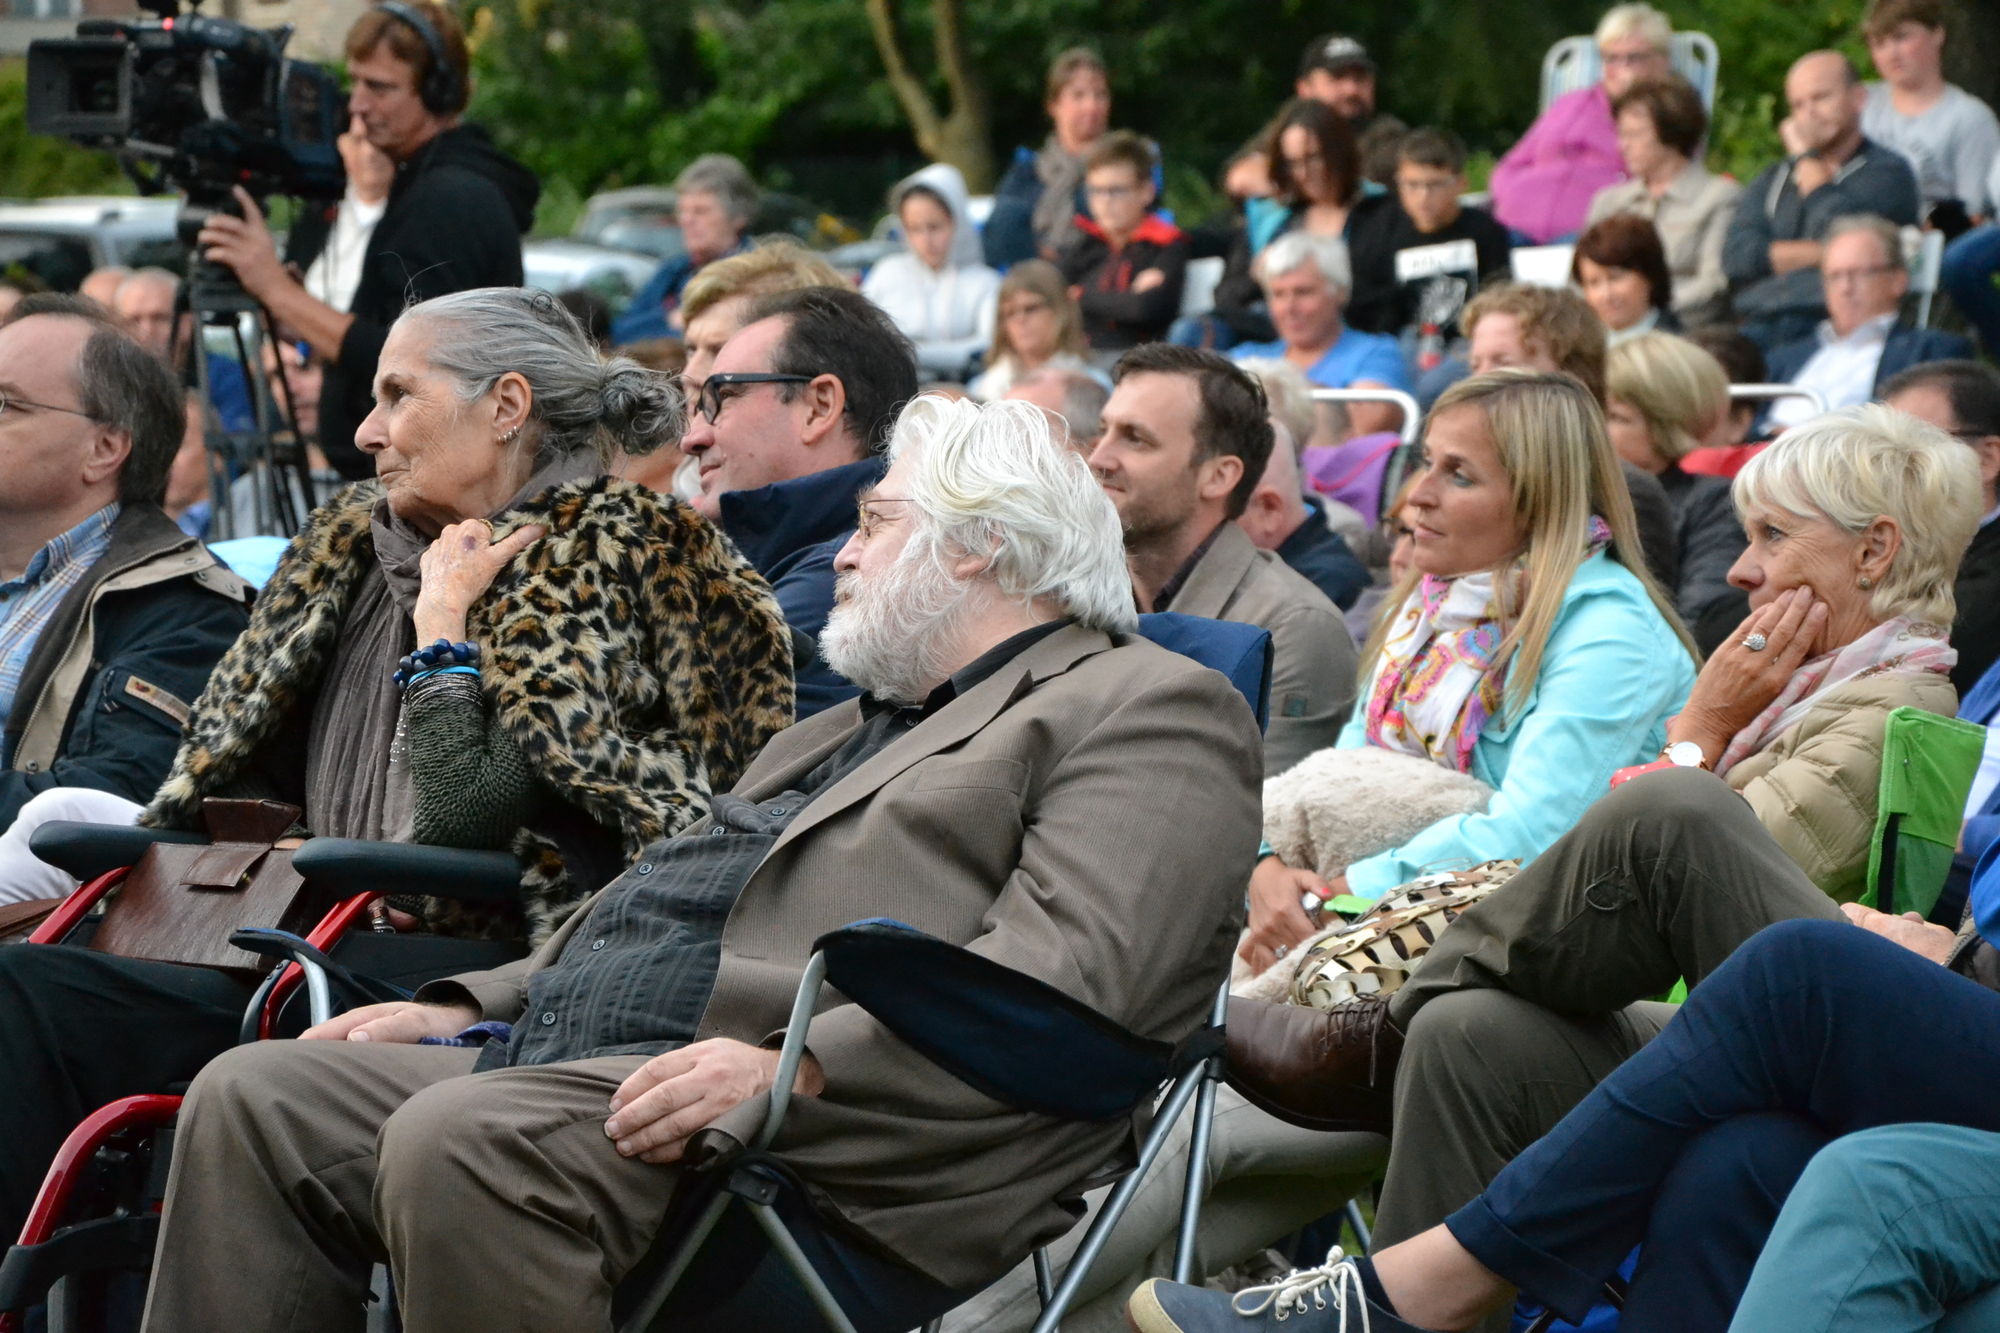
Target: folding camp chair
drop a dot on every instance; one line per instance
(1012, 1037)
(1923, 253)
(1928, 763)
(1573, 63)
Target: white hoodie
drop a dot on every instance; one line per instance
(947, 313)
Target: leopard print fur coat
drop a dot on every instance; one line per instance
(634, 657)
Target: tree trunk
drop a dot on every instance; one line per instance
(1972, 47)
(962, 136)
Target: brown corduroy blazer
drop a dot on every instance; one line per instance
(1087, 815)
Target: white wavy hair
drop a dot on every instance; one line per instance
(1296, 249)
(1859, 463)
(995, 479)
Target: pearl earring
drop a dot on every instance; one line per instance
(1864, 583)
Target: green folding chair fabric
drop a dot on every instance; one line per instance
(1928, 763)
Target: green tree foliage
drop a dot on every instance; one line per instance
(597, 93)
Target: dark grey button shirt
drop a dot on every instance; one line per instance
(636, 976)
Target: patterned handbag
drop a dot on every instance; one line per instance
(1374, 953)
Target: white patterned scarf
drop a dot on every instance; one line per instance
(1900, 646)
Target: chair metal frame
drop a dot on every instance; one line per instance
(1196, 1085)
(1572, 63)
(1412, 414)
(1758, 393)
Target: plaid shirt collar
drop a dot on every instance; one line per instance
(29, 603)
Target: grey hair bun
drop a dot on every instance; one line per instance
(642, 409)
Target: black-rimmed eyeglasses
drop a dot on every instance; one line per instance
(711, 398)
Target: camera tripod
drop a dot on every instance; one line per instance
(271, 451)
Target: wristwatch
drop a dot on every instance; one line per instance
(1685, 754)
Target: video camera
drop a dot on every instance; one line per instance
(192, 103)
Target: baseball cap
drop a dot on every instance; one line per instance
(1335, 52)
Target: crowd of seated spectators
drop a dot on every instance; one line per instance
(776, 601)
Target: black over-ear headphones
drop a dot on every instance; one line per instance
(439, 88)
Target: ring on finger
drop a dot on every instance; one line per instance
(1282, 950)
(1756, 643)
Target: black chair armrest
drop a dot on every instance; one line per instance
(1015, 1038)
(351, 865)
(86, 851)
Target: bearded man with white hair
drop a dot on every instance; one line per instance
(1022, 776)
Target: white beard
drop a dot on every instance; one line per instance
(892, 634)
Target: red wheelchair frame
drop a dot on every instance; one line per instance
(141, 1116)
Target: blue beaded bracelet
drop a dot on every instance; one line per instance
(441, 671)
(443, 653)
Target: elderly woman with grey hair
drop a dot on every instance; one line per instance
(491, 645)
(582, 659)
(714, 200)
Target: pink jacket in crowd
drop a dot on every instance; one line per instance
(1544, 184)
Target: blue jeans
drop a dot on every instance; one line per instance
(1971, 275)
(1817, 1019)
(1896, 1228)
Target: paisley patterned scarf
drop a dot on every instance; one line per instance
(1434, 688)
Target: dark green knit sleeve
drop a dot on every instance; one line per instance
(470, 784)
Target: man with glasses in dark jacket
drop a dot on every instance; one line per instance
(788, 429)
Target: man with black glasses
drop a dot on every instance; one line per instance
(787, 430)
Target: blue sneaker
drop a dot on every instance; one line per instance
(1326, 1298)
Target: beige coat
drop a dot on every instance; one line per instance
(1084, 815)
(1815, 787)
(1313, 671)
(1692, 217)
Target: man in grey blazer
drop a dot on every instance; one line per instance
(1186, 438)
(1022, 776)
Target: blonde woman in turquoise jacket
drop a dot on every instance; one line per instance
(1527, 645)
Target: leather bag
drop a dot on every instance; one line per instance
(180, 902)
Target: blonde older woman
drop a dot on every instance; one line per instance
(1543, 186)
(1664, 397)
(1856, 521)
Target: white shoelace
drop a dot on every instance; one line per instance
(1337, 1278)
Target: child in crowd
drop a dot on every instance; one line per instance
(1127, 268)
(1039, 328)
(940, 291)
(1420, 256)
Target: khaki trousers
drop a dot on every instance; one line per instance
(1537, 993)
(496, 1199)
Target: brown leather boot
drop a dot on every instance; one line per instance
(1322, 1069)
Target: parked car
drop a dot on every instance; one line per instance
(565, 264)
(641, 217)
(60, 240)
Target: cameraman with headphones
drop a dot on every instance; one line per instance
(453, 221)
